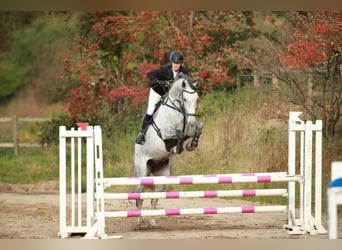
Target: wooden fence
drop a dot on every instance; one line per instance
(15, 143)
(258, 79)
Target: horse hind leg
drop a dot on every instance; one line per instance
(139, 203)
(158, 188)
(162, 168)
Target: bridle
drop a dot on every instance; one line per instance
(168, 102)
(180, 100)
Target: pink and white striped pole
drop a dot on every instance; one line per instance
(200, 179)
(196, 194)
(195, 211)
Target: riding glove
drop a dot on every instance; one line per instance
(164, 84)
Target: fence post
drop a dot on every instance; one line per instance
(274, 80)
(256, 78)
(15, 135)
(310, 89)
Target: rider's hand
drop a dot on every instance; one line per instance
(164, 84)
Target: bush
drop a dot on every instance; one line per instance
(12, 78)
(21, 60)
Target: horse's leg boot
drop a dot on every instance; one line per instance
(180, 137)
(199, 127)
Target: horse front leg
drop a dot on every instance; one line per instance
(194, 143)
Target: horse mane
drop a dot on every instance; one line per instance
(187, 78)
(184, 76)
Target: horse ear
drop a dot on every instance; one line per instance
(183, 84)
(195, 85)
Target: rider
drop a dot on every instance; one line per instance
(160, 80)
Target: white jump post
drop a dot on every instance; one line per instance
(73, 140)
(95, 226)
(334, 198)
(308, 132)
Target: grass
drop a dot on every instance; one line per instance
(31, 165)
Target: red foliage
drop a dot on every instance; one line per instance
(137, 94)
(110, 62)
(316, 39)
(144, 67)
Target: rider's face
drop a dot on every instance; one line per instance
(176, 66)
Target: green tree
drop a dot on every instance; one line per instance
(12, 75)
(30, 37)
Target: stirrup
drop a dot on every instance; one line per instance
(140, 139)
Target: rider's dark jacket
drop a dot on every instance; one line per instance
(164, 73)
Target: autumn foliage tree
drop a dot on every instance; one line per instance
(105, 72)
(316, 47)
(307, 59)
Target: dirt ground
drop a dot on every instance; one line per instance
(32, 212)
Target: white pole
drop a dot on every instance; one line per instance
(72, 151)
(62, 183)
(99, 182)
(301, 171)
(90, 176)
(307, 176)
(332, 214)
(318, 172)
(79, 182)
(295, 124)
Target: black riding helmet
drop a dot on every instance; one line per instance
(176, 57)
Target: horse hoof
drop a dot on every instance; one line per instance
(139, 224)
(154, 225)
(190, 147)
(140, 227)
(176, 150)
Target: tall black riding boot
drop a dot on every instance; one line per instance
(141, 137)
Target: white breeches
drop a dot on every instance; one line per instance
(153, 99)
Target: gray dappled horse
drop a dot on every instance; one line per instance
(173, 123)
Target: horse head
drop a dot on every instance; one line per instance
(183, 91)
